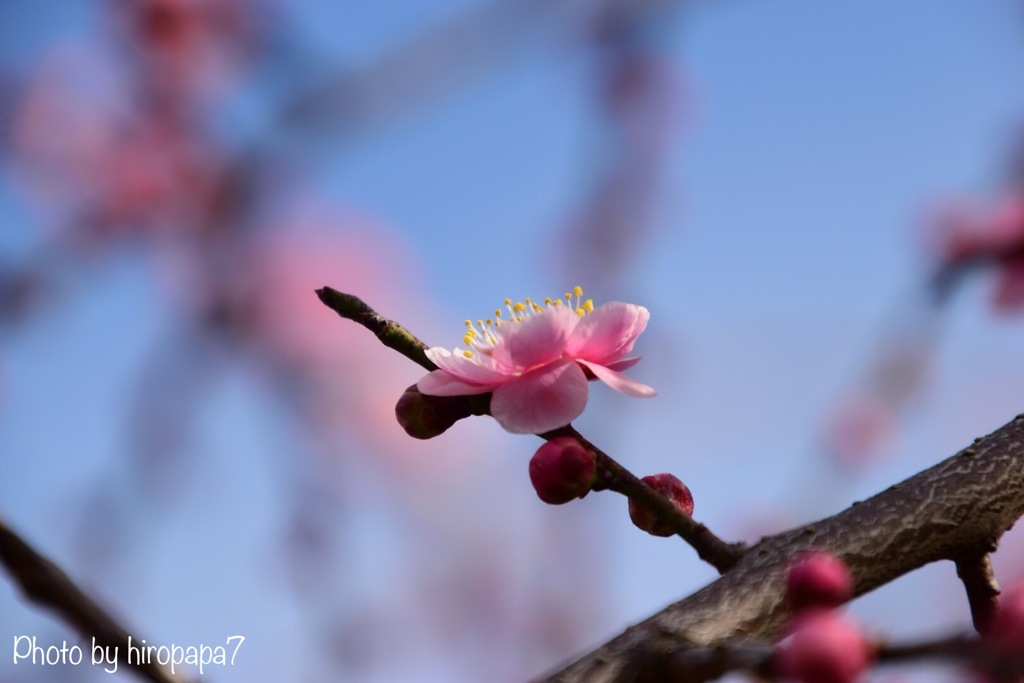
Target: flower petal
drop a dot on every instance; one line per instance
(607, 333)
(1009, 292)
(536, 340)
(475, 370)
(624, 364)
(443, 383)
(546, 398)
(618, 381)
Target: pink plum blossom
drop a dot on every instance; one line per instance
(537, 362)
(104, 168)
(184, 48)
(992, 233)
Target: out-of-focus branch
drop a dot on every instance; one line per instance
(696, 665)
(949, 277)
(719, 554)
(45, 584)
(1001, 664)
(943, 513)
(447, 55)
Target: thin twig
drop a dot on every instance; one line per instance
(713, 550)
(719, 554)
(390, 333)
(45, 584)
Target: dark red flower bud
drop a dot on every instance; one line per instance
(670, 487)
(1007, 632)
(424, 417)
(824, 648)
(818, 579)
(561, 470)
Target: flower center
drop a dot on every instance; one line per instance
(482, 336)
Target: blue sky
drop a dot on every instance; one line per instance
(788, 233)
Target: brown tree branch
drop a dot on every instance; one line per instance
(943, 513)
(45, 584)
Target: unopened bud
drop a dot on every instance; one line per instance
(562, 469)
(670, 487)
(424, 417)
(824, 648)
(818, 579)
(1007, 632)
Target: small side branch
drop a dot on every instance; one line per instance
(982, 589)
(45, 584)
(710, 548)
(390, 333)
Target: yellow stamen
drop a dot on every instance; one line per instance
(482, 335)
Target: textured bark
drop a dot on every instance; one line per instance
(956, 509)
